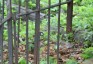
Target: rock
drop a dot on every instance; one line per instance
(78, 36)
(88, 61)
(65, 47)
(23, 11)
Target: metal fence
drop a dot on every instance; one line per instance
(12, 19)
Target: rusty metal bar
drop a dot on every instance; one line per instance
(48, 45)
(37, 34)
(1, 35)
(1, 45)
(52, 6)
(58, 35)
(5, 19)
(19, 6)
(8, 19)
(27, 44)
(69, 16)
(15, 43)
(10, 38)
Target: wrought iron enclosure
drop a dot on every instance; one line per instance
(11, 19)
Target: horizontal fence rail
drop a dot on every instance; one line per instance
(52, 6)
(11, 23)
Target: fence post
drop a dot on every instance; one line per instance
(10, 38)
(69, 16)
(1, 32)
(37, 33)
(1, 44)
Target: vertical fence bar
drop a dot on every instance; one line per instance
(69, 16)
(15, 43)
(27, 44)
(1, 35)
(10, 39)
(1, 44)
(37, 33)
(58, 35)
(19, 4)
(48, 45)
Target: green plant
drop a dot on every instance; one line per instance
(22, 61)
(51, 61)
(87, 53)
(68, 37)
(71, 61)
(78, 1)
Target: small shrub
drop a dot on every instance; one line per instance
(22, 61)
(87, 53)
(71, 61)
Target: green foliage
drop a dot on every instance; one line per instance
(87, 2)
(84, 36)
(68, 37)
(31, 47)
(5, 35)
(81, 21)
(51, 61)
(22, 61)
(87, 53)
(78, 2)
(71, 61)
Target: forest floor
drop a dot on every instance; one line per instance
(66, 51)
